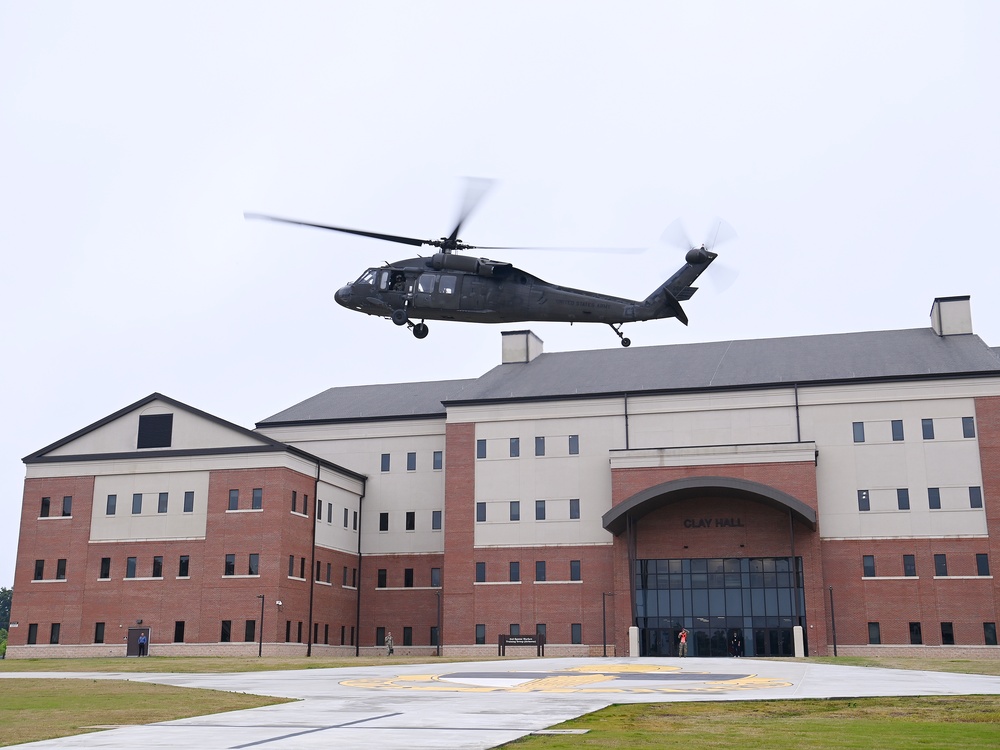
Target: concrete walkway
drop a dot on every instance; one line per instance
(482, 704)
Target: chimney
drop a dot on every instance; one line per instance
(520, 346)
(951, 315)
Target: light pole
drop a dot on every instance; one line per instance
(260, 642)
(604, 617)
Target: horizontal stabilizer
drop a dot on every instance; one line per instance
(686, 294)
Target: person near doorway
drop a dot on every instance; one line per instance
(142, 644)
(388, 643)
(682, 649)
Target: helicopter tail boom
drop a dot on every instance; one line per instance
(666, 300)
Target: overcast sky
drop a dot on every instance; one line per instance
(852, 145)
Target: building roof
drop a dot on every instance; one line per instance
(873, 355)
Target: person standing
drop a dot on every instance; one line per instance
(142, 644)
(388, 643)
(682, 649)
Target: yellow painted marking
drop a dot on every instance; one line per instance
(561, 684)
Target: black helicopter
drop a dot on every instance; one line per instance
(446, 286)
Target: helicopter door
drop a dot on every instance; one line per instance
(426, 286)
(437, 292)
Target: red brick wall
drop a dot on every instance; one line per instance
(459, 525)
(395, 607)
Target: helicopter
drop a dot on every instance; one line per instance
(448, 286)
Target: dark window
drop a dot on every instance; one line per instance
(155, 430)
(329, 512)
(253, 564)
(515, 571)
(480, 572)
(407, 635)
(295, 501)
(61, 569)
(874, 633)
(380, 636)
(226, 635)
(319, 570)
(189, 502)
(435, 577)
(381, 578)
(230, 569)
(136, 503)
(539, 510)
(234, 499)
(480, 512)
(98, 632)
(574, 445)
(868, 566)
(319, 509)
(934, 498)
(434, 635)
(250, 631)
(161, 502)
(411, 520)
(480, 449)
(158, 566)
(183, 566)
(408, 578)
(54, 633)
(982, 564)
(975, 497)
(354, 520)
(903, 499)
(298, 635)
(43, 511)
(863, 502)
(257, 499)
(39, 570)
(539, 570)
(112, 505)
(514, 628)
(344, 581)
(411, 461)
(515, 510)
(576, 633)
(574, 570)
(574, 507)
(383, 521)
(354, 582)
(990, 633)
(539, 446)
(940, 565)
(540, 629)
(346, 517)
(438, 460)
(32, 633)
(67, 506)
(385, 462)
(291, 566)
(515, 447)
(130, 567)
(435, 520)
(909, 565)
(288, 631)
(927, 428)
(968, 427)
(480, 634)
(947, 634)
(916, 638)
(859, 432)
(897, 429)
(105, 567)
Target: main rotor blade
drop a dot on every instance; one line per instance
(373, 235)
(607, 250)
(475, 189)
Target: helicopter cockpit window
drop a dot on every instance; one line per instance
(383, 280)
(425, 283)
(368, 277)
(447, 284)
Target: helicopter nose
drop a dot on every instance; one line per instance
(343, 296)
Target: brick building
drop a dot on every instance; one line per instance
(809, 493)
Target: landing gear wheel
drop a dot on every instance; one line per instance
(617, 328)
(399, 317)
(626, 341)
(420, 330)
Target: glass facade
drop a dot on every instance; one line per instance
(730, 606)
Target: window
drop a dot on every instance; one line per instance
(863, 501)
(295, 501)
(514, 628)
(436, 520)
(968, 427)
(539, 510)
(383, 521)
(411, 461)
(234, 499)
(576, 633)
(909, 565)
(436, 577)
(161, 502)
(319, 570)
(515, 571)
(98, 632)
(158, 566)
(868, 566)
(329, 512)
(112, 505)
(990, 633)
(54, 633)
(250, 631)
(975, 497)
(67, 506)
(43, 511)
(39, 570)
(916, 638)
(897, 429)
(184, 566)
(540, 629)
(434, 635)
(927, 428)
(226, 635)
(230, 569)
(480, 512)
(407, 635)
(408, 578)
(940, 565)
(574, 570)
(288, 631)
(302, 571)
(874, 633)
(61, 569)
(354, 520)
(515, 447)
(32, 633)
(105, 567)
(947, 634)
(574, 508)
(253, 564)
(539, 446)
(385, 462)
(574, 445)
(515, 510)
(257, 498)
(438, 460)
(155, 430)
(540, 570)
(130, 567)
(480, 449)
(411, 520)
(934, 498)
(344, 581)
(480, 633)
(859, 432)
(137, 504)
(189, 502)
(319, 509)
(982, 564)
(480, 572)
(381, 578)
(291, 566)
(903, 499)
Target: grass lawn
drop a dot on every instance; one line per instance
(39, 709)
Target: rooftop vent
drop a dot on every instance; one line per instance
(951, 315)
(520, 346)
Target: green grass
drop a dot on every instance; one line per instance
(862, 723)
(40, 709)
